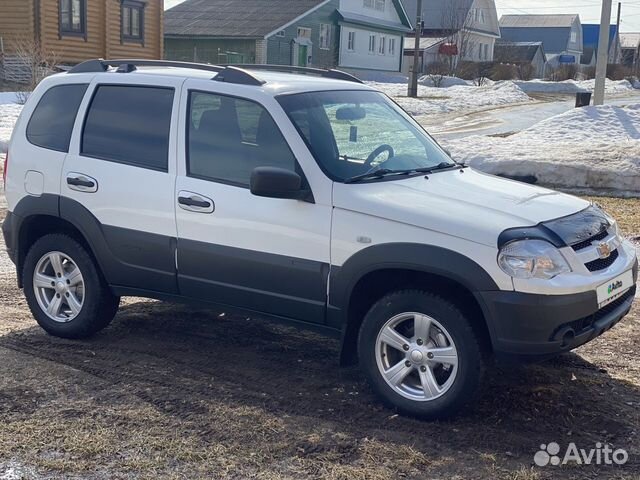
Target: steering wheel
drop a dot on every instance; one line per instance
(377, 152)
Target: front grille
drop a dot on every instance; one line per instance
(602, 263)
(584, 324)
(587, 243)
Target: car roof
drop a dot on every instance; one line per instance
(271, 82)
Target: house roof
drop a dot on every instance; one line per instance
(630, 40)
(233, 18)
(425, 42)
(377, 23)
(538, 21)
(435, 12)
(554, 31)
(516, 52)
(591, 34)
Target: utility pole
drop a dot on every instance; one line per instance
(616, 47)
(603, 53)
(413, 80)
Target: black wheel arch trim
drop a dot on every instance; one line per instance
(421, 258)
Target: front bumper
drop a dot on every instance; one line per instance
(530, 327)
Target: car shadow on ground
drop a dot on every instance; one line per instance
(182, 360)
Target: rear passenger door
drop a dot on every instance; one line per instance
(119, 177)
(265, 254)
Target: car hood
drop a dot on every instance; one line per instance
(464, 203)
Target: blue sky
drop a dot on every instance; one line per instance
(589, 10)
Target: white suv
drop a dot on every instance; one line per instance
(306, 196)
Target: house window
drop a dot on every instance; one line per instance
(372, 44)
(392, 46)
(132, 20)
(325, 36)
(574, 36)
(375, 4)
(486, 51)
(351, 42)
(281, 33)
(304, 32)
(73, 17)
(382, 45)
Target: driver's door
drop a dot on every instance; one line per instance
(264, 254)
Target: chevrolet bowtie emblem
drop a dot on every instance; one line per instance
(604, 250)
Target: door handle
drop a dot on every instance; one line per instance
(194, 202)
(82, 183)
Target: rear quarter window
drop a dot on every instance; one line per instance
(129, 124)
(52, 121)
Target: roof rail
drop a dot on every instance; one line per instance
(129, 65)
(335, 74)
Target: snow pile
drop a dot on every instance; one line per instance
(8, 116)
(428, 81)
(592, 148)
(453, 99)
(8, 97)
(570, 87)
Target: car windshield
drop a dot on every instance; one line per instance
(362, 136)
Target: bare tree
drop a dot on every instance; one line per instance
(34, 63)
(457, 20)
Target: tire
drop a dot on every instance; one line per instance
(85, 304)
(405, 373)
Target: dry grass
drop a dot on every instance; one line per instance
(180, 393)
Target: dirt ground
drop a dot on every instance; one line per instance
(178, 392)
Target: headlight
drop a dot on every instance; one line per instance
(532, 259)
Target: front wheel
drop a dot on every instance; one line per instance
(64, 289)
(420, 354)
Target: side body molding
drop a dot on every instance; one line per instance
(127, 258)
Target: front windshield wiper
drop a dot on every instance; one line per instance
(385, 172)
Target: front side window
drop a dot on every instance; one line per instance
(392, 46)
(229, 137)
(52, 121)
(130, 125)
(352, 133)
(132, 20)
(72, 17)
(574, 36)
(304, 32)
(372, 43)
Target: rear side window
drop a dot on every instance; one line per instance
(131, 125)
(52, 121)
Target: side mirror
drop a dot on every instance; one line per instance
(273, 182)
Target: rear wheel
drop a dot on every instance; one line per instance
(64, 289)
(420, 354)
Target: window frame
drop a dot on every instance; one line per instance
(351, 41)
(31, 117)
(69, 32)
(373, 40)
(96, 87)
(132, 5)
(326, 45)
(392, 46)
(187, 141)
(382, 45)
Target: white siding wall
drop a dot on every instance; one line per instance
(476, 43)
(360, 57)
(357, 6)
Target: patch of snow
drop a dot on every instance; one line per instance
(9, 114)
(453, 99)
(569, 87)
(8, 97)
(592, 148)
(447, 82)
